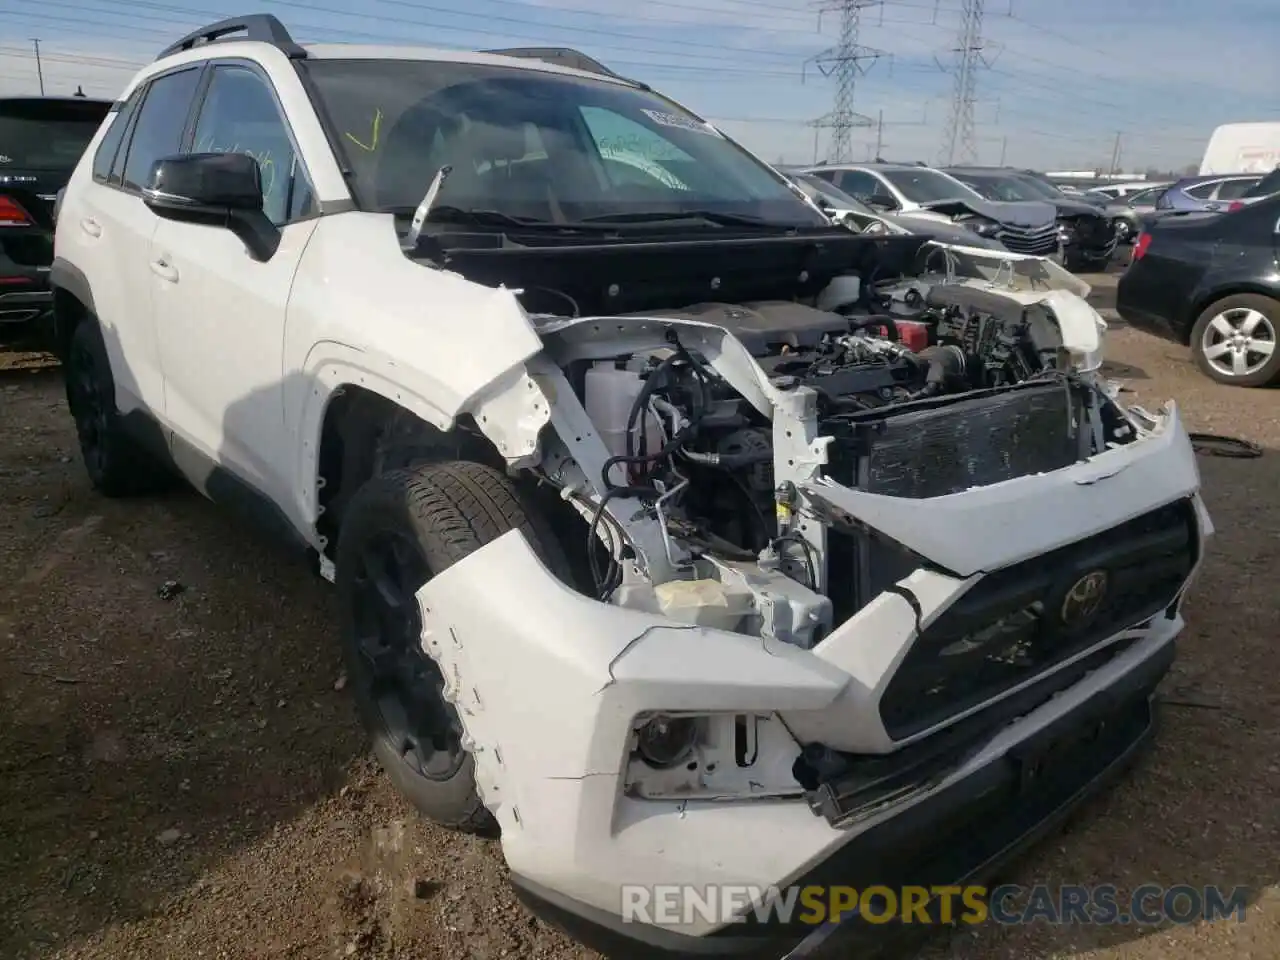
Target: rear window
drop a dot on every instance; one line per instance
(47, 134)
(1267, 185)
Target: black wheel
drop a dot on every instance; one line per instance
(399, 529)
(118, 466)
(1234, 340)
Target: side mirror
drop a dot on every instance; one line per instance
(215, 189)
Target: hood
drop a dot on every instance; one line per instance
(1024, 213)
(1070, 207)
(941, 229)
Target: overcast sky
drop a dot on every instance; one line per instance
(1064, 78)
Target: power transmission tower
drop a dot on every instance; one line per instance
(846, 61)
(968, 57)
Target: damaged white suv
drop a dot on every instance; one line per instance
(681, 535)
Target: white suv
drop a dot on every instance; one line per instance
(681, 535)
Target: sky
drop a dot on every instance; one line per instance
(1061, 85)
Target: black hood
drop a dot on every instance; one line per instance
(1067, 207)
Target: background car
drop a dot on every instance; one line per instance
(41, 140)
(1086, 234)
(914, 190)
(854, 213)
(1268, 186)
(1120, 191)
(1209, 281)
(1127, 213)
(1206, 193)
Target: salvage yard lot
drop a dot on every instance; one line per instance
(181, 774)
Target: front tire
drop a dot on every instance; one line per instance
(1234, 341)
(118, 466)
(400, 529)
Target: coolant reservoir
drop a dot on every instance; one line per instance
(610, 394)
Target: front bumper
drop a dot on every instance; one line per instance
(965, 833)
(549, 683)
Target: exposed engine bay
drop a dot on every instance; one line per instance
(911, 387)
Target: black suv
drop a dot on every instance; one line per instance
(1086, 233)
(41, 141)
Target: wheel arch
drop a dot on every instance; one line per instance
(357, 422)
(1203, 301)
(72, 303)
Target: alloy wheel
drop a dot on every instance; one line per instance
(403, 681)
(1238, 342)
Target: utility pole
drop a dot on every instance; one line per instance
(846, 62)
(879, 135)
(1115, 153)
(35, 41)
(1004, 146)
(968, 58)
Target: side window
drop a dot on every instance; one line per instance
(1202, 191)
(119, 120)
(859, 183)
(1234, 189)
(161, 121)
(240, 115)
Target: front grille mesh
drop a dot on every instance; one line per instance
(1033, 241)
(1021, 621)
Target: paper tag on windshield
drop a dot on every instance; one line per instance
(682, 123)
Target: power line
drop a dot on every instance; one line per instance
(969, 57)
(845, 62)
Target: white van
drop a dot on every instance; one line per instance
(1242, 148)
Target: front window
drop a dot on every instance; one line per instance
(536, 145)
(928, 186)
(47, 134)
(1004, 188)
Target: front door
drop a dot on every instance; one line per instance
(220, 313)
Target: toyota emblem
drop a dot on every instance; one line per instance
(1084, 598)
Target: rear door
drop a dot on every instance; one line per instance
(108, 231)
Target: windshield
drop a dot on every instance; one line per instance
(817, 188)
(46, 134)
(928, 186)
(537, 146)
(1003, 188)
(1040, 189)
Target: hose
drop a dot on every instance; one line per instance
(1219, 445)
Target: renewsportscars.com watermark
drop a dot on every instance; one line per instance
(1149, 904)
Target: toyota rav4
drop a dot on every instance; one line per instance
(680, 535)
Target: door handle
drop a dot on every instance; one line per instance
(90, 226)
(164, 270)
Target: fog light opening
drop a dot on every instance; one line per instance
(664, 742)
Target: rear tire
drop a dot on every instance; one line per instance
(117, 464)
(1230, 340)
(412, 524)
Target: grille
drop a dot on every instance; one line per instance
(1034, 241)
(932, 451)
(1024, 619)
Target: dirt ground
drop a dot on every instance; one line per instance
(181, 774)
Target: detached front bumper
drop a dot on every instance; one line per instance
(549, 685)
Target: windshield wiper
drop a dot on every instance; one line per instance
(711, 216)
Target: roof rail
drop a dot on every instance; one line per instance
(561, 57)
(262, 27)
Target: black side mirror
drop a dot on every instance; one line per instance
(216, 189)
(881, 201)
